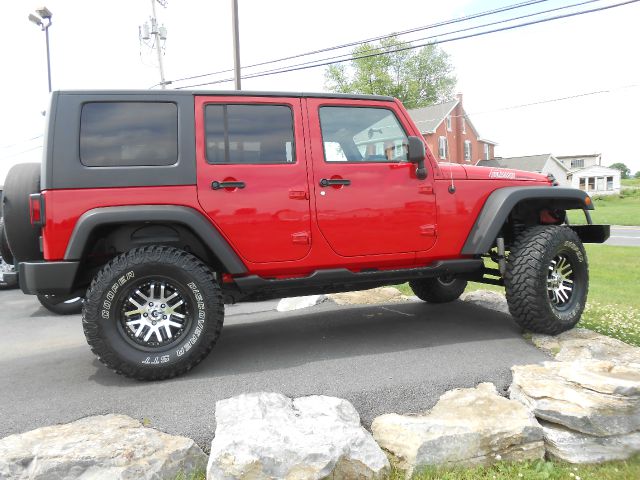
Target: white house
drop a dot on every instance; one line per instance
(577, 171)
(596, 180)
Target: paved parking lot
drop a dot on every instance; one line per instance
(395, 357)
(624, 236)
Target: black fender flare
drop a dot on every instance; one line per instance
(186, 216)
(502, 201)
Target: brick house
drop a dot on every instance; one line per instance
(449, 133)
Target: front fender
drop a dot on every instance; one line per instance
(502, 201)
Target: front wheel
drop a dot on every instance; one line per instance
(438, 290)
(153, 313)
(547, 279)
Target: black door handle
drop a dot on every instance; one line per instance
(334, 181)
(216, 185)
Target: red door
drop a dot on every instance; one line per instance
(252, 174)
(368, 199)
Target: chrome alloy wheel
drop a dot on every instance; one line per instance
(560, 281)
(155, 314)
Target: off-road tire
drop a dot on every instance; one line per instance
(103, 314)
(70, 307)
(529, 264)
(5, 251)
(23, 238)
(438, 290)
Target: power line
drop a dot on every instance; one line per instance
(381, 50)
(372, 39)
(551, 100)
(21, 142)
(20, 153)
(462, 37)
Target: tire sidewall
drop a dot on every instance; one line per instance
(566, 243)
(106, 302)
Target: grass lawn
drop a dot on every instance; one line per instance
(623, 209)
(536, 470)
(631, 182)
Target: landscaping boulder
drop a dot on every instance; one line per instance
(270, 436)
(467, 426)
(589, 396)
(575, 447)
(581, 343)
(107, 446)
(290, 304)
(487, 299)
(368, 297)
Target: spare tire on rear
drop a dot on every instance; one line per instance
(22, 180)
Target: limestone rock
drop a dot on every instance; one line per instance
(100, 447)
(581, 343)
(467, 426)
(270, 436)
(576, 447)
(367, 297)
(487, 299)
(589, 396)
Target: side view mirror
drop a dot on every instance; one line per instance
(416, 155)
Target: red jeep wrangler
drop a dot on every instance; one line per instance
(159, 207)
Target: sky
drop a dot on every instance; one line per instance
(95, 45)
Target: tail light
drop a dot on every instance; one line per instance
(36, 209)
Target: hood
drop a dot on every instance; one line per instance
(491, 173)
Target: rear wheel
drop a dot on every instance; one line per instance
(547, 279)
(72, 306)
(153, 313)
(438, 290)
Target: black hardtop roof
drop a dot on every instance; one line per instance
(241, 93)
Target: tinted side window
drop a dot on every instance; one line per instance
(249, 134)
(363, 135)
(128, 134)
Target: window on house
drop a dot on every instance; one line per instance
(249, 134)
(583, 183)
(448, 123)
(362, 135)
(125, 134)
(600, 183)
(591, 184)
(577, 163)
(467, 151)
(443, 148)
(486, 151)
(609, 183)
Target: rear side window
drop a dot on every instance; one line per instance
(126, 134)
(249, 134)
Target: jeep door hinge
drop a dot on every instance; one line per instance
(428, 230)
(300, 238)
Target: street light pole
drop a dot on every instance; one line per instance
(46, 36)
(43, 20)
(236, 44)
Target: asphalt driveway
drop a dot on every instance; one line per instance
(388, 358)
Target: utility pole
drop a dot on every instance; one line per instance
(159, 33)
(236, 44)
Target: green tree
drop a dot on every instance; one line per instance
(417, 77)
(624, 170)
(637, 174)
